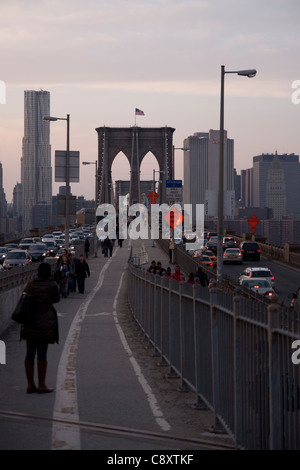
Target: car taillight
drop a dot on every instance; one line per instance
(272, 277)
(242, 250)
(240, 254)
(258, 251)
(269, 294)
(225, 254)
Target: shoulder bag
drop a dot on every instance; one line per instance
(24, 310)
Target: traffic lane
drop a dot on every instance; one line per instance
(287, 280)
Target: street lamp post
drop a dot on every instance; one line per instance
(250, 73)
(96, 198)
(67, 209)
(173, 158)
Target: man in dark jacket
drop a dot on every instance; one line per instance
(82, 271)
(201, 277)
(43, 329)
(86, 247)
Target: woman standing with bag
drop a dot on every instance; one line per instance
(43, 329)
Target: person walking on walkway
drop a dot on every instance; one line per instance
(178, 274)
(106, 246)
(191, 279)
(43, 329)
(82, 271)
(152, 267)
(86, 247)
(201, 277)
(62, 276)
(111, 247)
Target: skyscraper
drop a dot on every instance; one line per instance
(3, 203)
(276, 189)
(36, 171)
(287, 170)
(201, 172)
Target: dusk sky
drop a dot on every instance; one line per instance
(102, 59)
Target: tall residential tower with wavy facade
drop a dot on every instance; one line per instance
(36, 171)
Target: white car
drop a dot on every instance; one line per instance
(261, 286)
(48, 237)
(264, 273)
(16, 258)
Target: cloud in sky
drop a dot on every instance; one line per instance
(101, 59)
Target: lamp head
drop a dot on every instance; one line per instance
(49, 118)
(247, 73)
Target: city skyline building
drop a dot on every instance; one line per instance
(36, 171)
(3, 202)
(288, 175)
(201, 172)
(276, 189)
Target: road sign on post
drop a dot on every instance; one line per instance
(174, 191)
(153, 199)
(61, 166)
(253, 221)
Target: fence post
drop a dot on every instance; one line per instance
(275, 397)
(215, 357)
(183, 359)
(237, 390)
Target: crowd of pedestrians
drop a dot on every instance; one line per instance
(199, 277)
(71, 272)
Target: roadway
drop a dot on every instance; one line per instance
(110, 393)
(287, 279)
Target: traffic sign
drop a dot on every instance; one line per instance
(253, 221)
(150, 196)
(174, 190)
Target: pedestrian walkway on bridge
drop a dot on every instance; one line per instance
(110, 391)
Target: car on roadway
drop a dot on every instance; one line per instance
(229, 242)
(261, 286)
(48, 237)
(189, 237)
(25, 243)
(211, 234)
(74, 244)
(52, 247)
(250, 250)
(211, 255)
(204, 259)
(38, 251)
(3, 253)
(57, 234)
(232, 255)
(11, 246)
(261, 273)
(212, 246)
(16, 258)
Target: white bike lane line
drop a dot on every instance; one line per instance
(66, 437)
(66, 405)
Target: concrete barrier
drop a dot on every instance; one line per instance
(8, 301)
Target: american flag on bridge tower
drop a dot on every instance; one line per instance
(139, 112)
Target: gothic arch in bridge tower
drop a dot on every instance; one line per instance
(135, 142)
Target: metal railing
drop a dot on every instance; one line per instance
(233, 352)
(22, 274)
